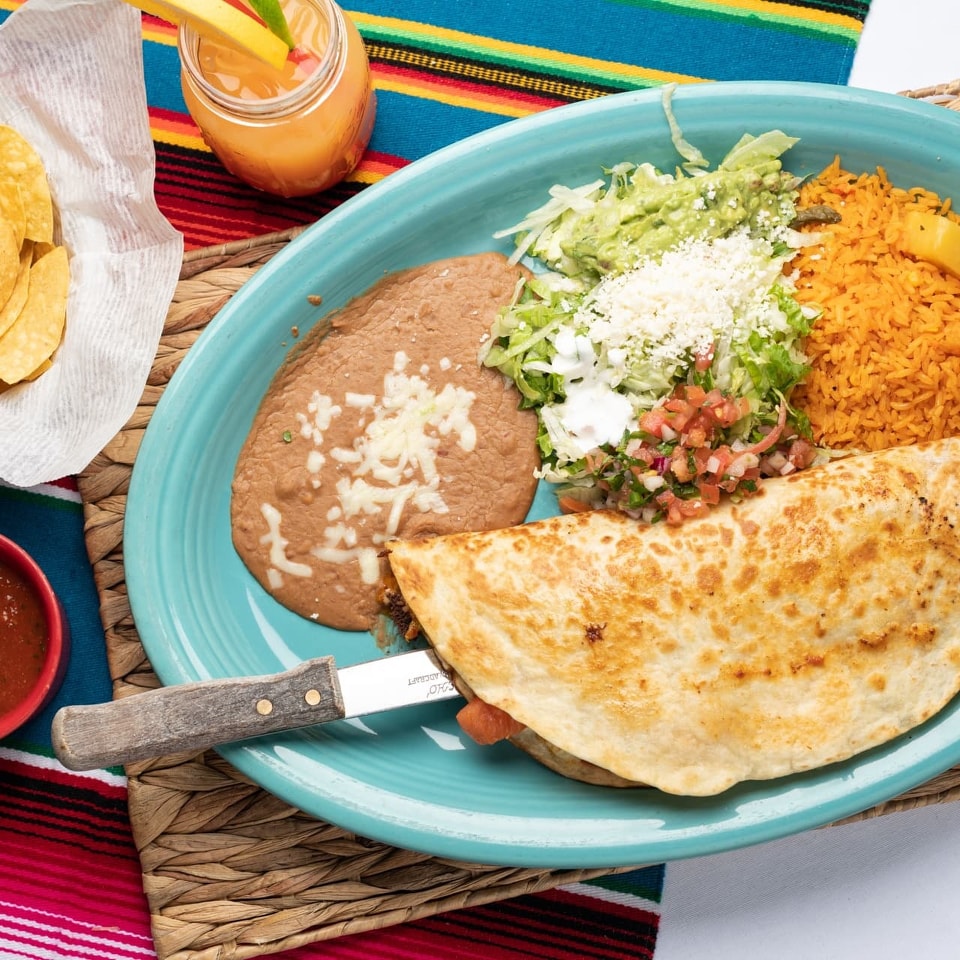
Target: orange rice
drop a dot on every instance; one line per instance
(886, 351)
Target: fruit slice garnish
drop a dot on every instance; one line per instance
(930, 236)
(271, 13)
(221, 20)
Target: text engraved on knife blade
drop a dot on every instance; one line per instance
(439, 681)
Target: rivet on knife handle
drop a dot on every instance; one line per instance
(194, 716)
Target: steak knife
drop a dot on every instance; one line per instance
(207, 713)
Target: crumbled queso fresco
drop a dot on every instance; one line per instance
(699, 293)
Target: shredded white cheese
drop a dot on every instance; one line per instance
(277, 546)
(320, 413)
(392, 464)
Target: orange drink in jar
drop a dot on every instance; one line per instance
(293, 131)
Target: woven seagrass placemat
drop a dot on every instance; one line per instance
(229, 870)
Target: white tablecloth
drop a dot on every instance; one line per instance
(908, 44)
(880, 889)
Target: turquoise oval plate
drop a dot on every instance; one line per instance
(406, 777)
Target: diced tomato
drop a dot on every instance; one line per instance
(692, 508)
(718, 410)
(718, 460)
(703, 359)
(641, 451)
(681, 413)
(697, 434)
(730, 411)
(486, 724)
(653, 421)
(676, 509)
(801, 453)
(570, 504)
(665, 498)
(669, 502)
(709, 492)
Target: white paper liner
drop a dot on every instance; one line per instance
(71, 82)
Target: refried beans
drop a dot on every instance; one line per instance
(383, 424)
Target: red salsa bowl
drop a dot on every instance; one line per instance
(34, 638)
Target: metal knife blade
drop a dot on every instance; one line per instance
(402, 680)
(207, 713)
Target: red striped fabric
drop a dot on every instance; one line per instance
(209, 206)
(71, 889)
(70, 884)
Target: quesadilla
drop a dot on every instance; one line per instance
(797, 628)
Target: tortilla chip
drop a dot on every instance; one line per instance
(18, 296)
(41, 249)
(11, 208)
(43, 368)
(20, 161)
(36, 333)
(9, 260)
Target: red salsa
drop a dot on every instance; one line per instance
(23, 637)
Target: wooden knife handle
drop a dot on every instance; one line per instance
(194, 716)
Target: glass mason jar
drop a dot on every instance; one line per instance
(293, 132)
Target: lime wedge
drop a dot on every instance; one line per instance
(219, 19)
(271, 13)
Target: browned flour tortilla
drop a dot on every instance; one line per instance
(387, 426)
(803, 626)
